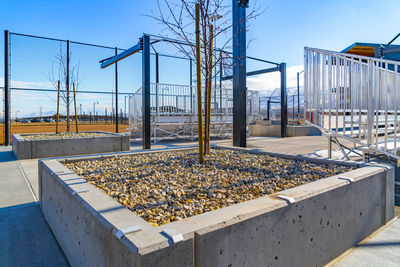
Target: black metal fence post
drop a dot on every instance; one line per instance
(67, 86)
(6, 88)
(283, 99)
(116, 93)
(146, 91)
(239, 75)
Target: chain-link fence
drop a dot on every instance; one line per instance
(36, 64)
(270, 105)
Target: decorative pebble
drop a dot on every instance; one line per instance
(170, 186)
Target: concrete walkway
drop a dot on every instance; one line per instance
(382, 248)
(25, 237)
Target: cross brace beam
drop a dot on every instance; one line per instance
(109, 61)
(252, 73)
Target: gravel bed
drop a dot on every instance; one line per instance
(62, 135)
(169, 186)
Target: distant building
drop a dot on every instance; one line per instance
(391, 52)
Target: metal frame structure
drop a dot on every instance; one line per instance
(146, 41)
(281, 67)
(354, 97)
(7, 75)
(239, 73)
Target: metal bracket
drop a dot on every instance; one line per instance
(290, 200)
(82, 190)
(173, 234)
(57, 172)
(350, 180)
(129, 230)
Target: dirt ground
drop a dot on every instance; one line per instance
(22, 128)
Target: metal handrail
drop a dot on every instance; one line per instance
(345, 93)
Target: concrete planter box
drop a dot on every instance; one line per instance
(326, 218)
(291, 130)
(44, 148)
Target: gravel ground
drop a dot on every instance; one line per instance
(61, 135)
(169, 186)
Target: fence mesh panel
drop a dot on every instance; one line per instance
(36, 65)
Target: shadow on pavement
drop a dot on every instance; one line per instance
(6, 156)
(26, 239)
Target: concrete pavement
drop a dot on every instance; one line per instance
(25, 237)
(382, 248)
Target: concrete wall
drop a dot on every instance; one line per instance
(275, 130)
(397, 185)
(44, 148)
(328, 217)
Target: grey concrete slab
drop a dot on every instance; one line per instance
(30, 169)
(14, 189)
(25, 238)
(295, 145)
(380, 249)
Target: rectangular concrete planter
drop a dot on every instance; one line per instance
(291, 130)
(327, 217)
(45, 148)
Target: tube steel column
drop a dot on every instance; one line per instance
(146, 91)
(283, 100)
(67, 86)
(6, 88)
(239, 75)
(116, 93)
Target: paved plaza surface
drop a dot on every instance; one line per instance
(26, 239)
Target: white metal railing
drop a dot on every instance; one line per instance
(353, 96)
(174, 111)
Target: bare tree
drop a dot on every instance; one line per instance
(178, 16)
(59, 72)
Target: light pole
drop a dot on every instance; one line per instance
(298, 93)
(94, 109)
(16, 116)
(163, 109)
(125, 106)
(214, 19)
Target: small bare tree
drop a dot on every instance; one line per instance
(178, 16)
(59, 72)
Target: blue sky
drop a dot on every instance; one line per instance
(279, 34)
